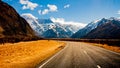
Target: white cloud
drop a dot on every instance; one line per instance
(24, 7)
(62, 21)
(67, 6)
(28, 5)
(118, 12)
(23, 1)
(51, 8)
(45, 11)
(39, 12)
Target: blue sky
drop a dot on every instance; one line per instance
(83, 11)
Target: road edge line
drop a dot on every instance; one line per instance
(52, 57)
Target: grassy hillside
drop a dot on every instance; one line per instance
(27, 54)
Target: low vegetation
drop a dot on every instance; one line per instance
(110, 42)
(114, 48)
(27, 54)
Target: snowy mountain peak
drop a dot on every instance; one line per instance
(48, 28)
(112, 18)
(28, 16)
(44, 21)
(93, 25)
(96, 21)
(64, 22)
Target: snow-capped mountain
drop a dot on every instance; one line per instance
(33, 23)
(109, 30)
(49, 29)
(91, 26)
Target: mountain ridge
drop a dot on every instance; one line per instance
(12, 25)
(44, 27)
(89, 30)
(110, 30)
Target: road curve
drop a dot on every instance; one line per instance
(83, 55)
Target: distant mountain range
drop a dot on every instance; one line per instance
(49, 29)
(100, 29)
(12, 25)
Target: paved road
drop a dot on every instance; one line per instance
(83, 55)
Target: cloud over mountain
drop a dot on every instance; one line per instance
(55, 28)
(62, 21)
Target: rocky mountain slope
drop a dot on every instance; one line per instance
(101, 29)
(110, 30)
(49, 29)
(82, 32)
(12, 25)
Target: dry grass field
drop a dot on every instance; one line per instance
(112, 48)
(27, 54)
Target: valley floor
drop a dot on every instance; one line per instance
(27, 54)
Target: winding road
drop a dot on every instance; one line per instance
(83, 55)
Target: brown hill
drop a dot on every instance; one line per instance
(12, 25)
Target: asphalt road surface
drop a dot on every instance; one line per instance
(83, 55)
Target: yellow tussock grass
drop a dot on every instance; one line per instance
(112, 48)
(27, 54)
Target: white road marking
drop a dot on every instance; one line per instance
(85, 52)
(51, 58)
(98, 66)
(46, 62)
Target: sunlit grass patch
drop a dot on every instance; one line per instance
(27, 54)
(109, 47)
